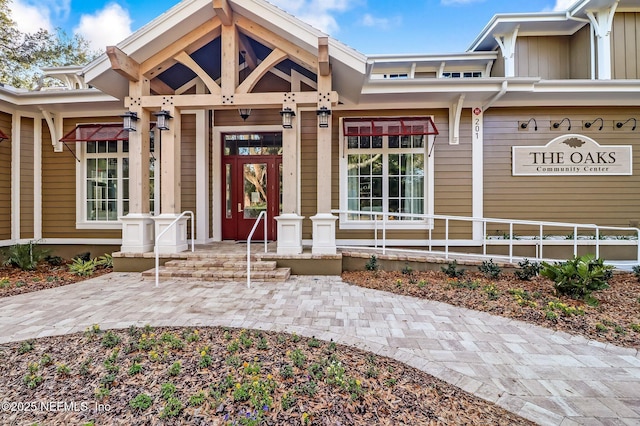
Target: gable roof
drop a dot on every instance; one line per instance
(348, 65)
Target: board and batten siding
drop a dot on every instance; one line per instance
(625, 42)
(546, 57)
(602, 200)
(580, 54)
(59, 186)
(5, 177)
(26, 177)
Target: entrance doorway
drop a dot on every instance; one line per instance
(251, 183)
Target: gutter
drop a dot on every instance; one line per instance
(497, 96)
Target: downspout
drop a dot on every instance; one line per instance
(592, 42)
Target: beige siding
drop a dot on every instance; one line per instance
(26, 177)
(188, 164)
(580, 54)
(498, 66)
(625, 50)
(309, 168)
(545, 57)
(59, 187)
(258, 117)
(5, 178)
(604, 200)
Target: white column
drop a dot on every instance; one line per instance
(507, 43)
(477, 169)
(289, 223)
(602, 22)
(15, 174)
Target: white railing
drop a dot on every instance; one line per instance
(262, 215)
(155, 246)
(591, 234)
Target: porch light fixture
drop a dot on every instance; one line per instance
(619, 124)
(129, 119)
(588, 125)
(162, 118)
(526, 124)
(244, 113)
(287, 117)
(556, 125)
(323, 116)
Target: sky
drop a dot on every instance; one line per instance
(369, 26)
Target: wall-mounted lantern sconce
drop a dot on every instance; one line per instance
(287, 117)
(244, 113)
(556, 125)
(588, 125)
(323, 116)
(162, 119)
(526, 124)
(619, 124)
(129, 119)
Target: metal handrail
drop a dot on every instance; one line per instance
(155, 246)
(262, 214)
(539, 242)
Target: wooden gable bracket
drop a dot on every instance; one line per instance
(323, 56)
(123, 64)
(223, 11)
(274, 58)
(186, 60)
(250, 57)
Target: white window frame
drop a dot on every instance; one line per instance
(429, 153)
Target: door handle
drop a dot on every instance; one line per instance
(239, 207)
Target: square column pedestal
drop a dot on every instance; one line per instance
(324, 233)
(289, 233)
(137, 233)
(174, 240)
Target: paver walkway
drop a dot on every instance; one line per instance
(549, 377)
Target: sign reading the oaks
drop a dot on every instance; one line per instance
(572, 155)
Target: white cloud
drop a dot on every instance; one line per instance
(106, 27)
(317, 13)
(369, 20)
(563, 5)
(30, 18)
(458, 2)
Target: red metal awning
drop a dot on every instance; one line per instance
(96, 132)
(3, 136)
(404, 126)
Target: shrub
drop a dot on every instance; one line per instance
(83, 268)
(527, 270)
(104, 261)
(636, 271)
(141, 402)
(25, 256)
(372, 264)
(578, 277)
(490, 269)
(452, 270)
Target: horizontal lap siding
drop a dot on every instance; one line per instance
(309, 169)
(625, 41)
(26, 177)
(5, 178)
(603, 200)
(59, 187)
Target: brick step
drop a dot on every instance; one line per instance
(211, 264)
(279, 274)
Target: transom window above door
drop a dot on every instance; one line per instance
(253, 144)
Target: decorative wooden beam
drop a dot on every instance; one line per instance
(229, 58)
(159, 87)
(191, 42)
(323, 56)
(250, 57)
(270, 61)
(254, 100)
(269, 39)
(123, 64)
(188, 62)
(223, 11)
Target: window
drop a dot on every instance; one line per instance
(466, 74)
(387, 169)
(103, 174)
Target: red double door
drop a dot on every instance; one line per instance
(250, 184)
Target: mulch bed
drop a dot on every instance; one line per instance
(616, 319)
(225, 376)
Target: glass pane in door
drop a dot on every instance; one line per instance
(255, 189)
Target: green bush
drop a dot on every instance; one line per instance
(452, 270)
(490, 269)
(104, 261)
(372, 264)
(25, 256)
(527, 270)
(578, 277)
(81, 267)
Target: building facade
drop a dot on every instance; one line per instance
(238, 108)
